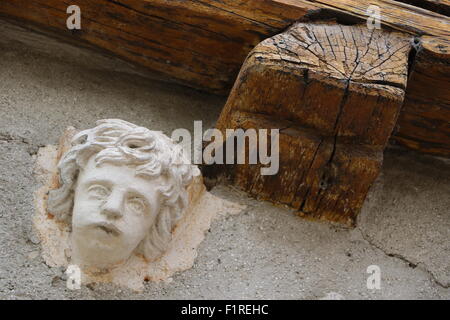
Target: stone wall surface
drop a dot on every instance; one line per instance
(264, 252)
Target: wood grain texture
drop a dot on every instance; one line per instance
(335, 93)
(438, 6)
(424, 123)
(200, 43)
(203, 43)
(396, 15)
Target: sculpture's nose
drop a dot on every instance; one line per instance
(113, 206)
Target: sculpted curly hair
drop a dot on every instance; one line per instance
(151, 153)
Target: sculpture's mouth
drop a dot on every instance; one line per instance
(108, 228)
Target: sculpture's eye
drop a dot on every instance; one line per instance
(98, 191)
(136, 204)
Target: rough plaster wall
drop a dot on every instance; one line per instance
(265, 252)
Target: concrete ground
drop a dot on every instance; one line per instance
(265, 252)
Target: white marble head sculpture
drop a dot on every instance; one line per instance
(123, 188)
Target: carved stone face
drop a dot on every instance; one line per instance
(123, 188)
(113, 212)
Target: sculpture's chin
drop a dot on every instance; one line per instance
(98, 249)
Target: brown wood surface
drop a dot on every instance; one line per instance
(438, 6)
(335, 92)
(203, 43)
(424, 123)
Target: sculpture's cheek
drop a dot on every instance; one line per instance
(135, 228)
(86, 212)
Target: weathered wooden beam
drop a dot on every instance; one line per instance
(424, 123)
(203, 43)
(394, 14)
(335, 93)
(438, 6)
